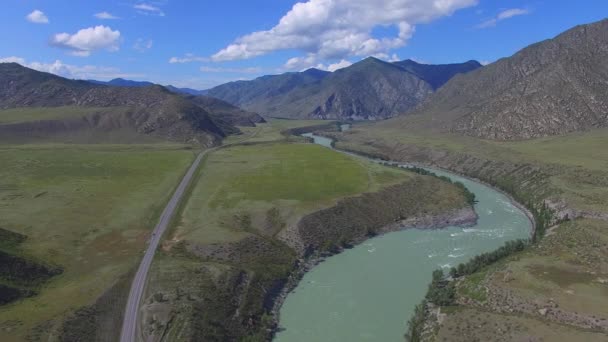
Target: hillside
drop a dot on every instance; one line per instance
(371, 89)
(247, 93)
(437, 74)
(552, 87)
(152, 110)
(226, 115)
(368, 90)
(121, 82)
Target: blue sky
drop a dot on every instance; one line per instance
(203, 43)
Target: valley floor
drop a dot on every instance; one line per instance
(79, 216)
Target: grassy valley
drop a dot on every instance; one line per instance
(240, 234)
(86, 209)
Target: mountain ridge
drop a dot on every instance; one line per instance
(552, 87)
(371, 89)
(151, 110)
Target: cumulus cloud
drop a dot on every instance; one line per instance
(310, 61)
(73, 71)
(37, 17)
(339, 65)
(105, 16)
(85, 41)
(337, 29)
(251, 70)
(143, 45)
(506, 14)
(147, 9)
(188, 58)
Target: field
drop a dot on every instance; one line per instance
(555, 291)
(87, 209)
(294, 178)
(29, 114)
(271, 131)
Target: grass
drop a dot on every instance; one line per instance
(567, 267)
(295, 178)
(28, 114)
(473, 287)
(576, 164)
(471, 324)
(86, 208)
(271, 131)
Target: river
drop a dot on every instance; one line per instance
(369, 292)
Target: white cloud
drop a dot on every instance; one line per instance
(310, 61)
(85, 41)
(337, 29)
(105, 15)
(37, 17)
(506, 14)
(143, 45)
(188, 58)
(251, 70)
(73, 71)
(339, 65)
(147, 9)
(484, 63)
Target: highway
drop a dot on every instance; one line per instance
(131, 314)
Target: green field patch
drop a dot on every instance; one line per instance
(88, 209)
(29, 114)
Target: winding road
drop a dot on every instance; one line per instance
(131, 314)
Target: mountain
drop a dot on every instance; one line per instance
(552, 87)
(437, 74)
(247, 93)
(151, 110)
(226, 115)
(121, 82)
(368, 90)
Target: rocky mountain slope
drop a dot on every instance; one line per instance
(151, 110)
(370, 90)
(437, 74)
(552, 87)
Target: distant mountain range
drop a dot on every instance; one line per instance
(144, 109)
(370, 89)
(121, 82)
(556, 86)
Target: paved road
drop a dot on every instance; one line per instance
(131, 315)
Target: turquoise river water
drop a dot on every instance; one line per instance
(369, 292)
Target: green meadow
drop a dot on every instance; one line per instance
(88, 209)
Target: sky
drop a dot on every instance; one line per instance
(203, 43)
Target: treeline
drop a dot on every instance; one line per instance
(442, 289)
(470, 196)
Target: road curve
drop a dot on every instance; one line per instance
(131, 314)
